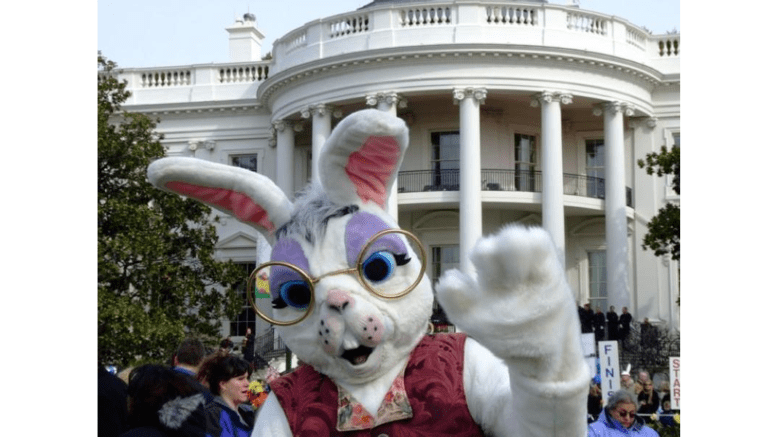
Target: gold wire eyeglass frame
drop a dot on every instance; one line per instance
(313, 281)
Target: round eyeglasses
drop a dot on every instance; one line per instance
(384, 267)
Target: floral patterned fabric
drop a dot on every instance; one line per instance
(351, 415)
(433, 388)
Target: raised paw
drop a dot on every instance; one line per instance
(518, 292)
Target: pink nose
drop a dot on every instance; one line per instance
(338, 300)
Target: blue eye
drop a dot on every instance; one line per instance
(379, 266)
(295, 294)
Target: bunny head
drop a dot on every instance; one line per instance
(346, 267)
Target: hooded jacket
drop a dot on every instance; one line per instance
(607, 426)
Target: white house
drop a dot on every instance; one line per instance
(519, 111)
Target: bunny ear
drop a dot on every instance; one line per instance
(250, 197)
(360, 160)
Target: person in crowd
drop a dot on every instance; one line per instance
(619, 418)
(637, 389)
(648, 400)
(626, 382)
(587, 319)
(646, 333)
(189, 356)
(599, 324)
(164, 403)
(624, 326)
(595, 402)
(225, 347)
(643, 376)
(612, 324)
(227, 378)
(111, 404)
(666, 415)
(248, 346)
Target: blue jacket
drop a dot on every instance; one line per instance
(233, 424)
(607, 426)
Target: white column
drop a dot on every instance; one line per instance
(388, 102)
(616, 232)
(470, 208)
(322, 128)
(553, 167)
(284, 157)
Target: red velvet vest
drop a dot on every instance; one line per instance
(433, 380)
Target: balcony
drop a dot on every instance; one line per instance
(416, 181)
(542, 26)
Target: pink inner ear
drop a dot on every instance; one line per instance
(241, 206)
(370, 168)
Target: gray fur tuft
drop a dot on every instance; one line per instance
(174, 413)
(311, 214)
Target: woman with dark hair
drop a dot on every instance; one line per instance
(226, 376)
(162, 402)
(619, 418)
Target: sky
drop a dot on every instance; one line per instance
(149, 33)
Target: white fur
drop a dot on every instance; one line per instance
(519, 311)
(524, 373)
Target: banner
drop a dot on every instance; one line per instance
(611, 371)
(674, 381)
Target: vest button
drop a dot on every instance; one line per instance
(383, 435)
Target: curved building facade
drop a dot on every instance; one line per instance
(519, 112)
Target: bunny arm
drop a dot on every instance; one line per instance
(524, 366)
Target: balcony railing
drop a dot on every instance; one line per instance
(416, 181)
(439, 22)
(269, 345)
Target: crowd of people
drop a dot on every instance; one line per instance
(628, 409)
(197, 394)
(208, 396)
(610, 326)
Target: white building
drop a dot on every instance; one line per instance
(519, 111)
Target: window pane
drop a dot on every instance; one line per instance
(247, 161)
(597, 279)
(246, 318)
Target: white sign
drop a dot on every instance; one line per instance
(589, 352)
(674, 381)
(608, 363)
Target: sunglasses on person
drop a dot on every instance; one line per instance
(623, 413)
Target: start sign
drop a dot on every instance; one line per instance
(674, 381)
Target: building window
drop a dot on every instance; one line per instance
(445, 160)
(525, 162)
(247, 161)
(597, 279)
(594, 167)
(676, 139)
(246, 318)
(443, 258)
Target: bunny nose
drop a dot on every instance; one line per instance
(338, 300)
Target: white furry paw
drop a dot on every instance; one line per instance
(518, 302)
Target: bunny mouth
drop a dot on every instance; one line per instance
(357, 356)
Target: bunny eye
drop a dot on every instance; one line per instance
(380, 266)
(295, 294)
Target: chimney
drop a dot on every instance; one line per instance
(245, 40)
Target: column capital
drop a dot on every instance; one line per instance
(479, 94)
(389, 98)
(206, 144)
(613, 107)
(650, 122)
(280, 126)
(321, 109)
(551, 96)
